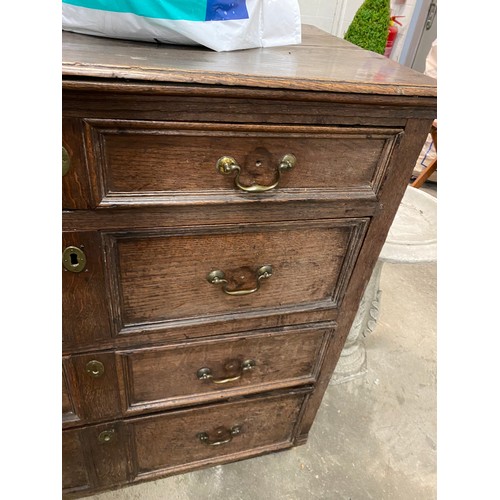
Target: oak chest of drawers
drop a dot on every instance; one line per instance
(222, 214)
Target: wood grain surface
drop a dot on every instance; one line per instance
(98, 397)
(143, 125)
(75, 475)
(156, 446)
(161, 276)
(320, 62)
(71, 414)
(264, 422)
(85, 310)
(151, 159)
(164, 377)
(143, 380)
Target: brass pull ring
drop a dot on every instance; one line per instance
(223, 436)
(226, 165)
(219, 278)
(206, 373)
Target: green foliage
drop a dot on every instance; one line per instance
(370, 25)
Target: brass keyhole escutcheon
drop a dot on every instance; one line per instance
(95, 368)
(106, 436)
(66, 163)
(74, 259)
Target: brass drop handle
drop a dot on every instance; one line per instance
(222, 436)
(218, 277)
(206, 373)
(226, 165)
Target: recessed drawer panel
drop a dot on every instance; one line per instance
(166, 279)
(163, 377)
(154, 163)
(207, 435)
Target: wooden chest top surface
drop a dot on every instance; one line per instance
(320, 63)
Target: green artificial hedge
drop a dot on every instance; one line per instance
(370, 25)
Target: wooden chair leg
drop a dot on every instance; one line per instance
(430, 169)
(425, 174)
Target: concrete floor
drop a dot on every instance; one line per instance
(374, 437)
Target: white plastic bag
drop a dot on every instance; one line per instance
(219, 25)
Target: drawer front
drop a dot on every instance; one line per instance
(165, 277)
(116, 453)
(91, 386)
(108, 385)
(75, 476)
(85, 312)
(163, 377)
(76, 181)
(161, 280)
(154, 163)
(94, 457)
(70, 413)
(193, 438)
